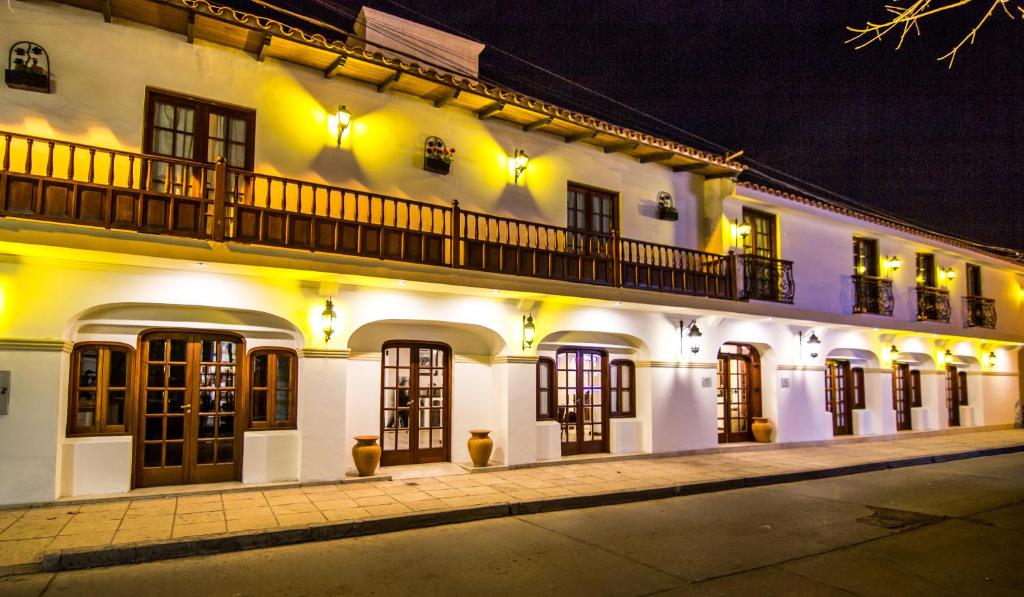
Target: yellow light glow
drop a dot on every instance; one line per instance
(861, 269)
(950, 274)
(893, 263)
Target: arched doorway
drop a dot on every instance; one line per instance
(190, 408)
(581, 383)
(739, 391)
(415, 413)
(843, 383)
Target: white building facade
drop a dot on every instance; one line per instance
(185, 198)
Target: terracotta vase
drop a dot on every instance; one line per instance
(480, 446)
(366, 454)
(762, 428)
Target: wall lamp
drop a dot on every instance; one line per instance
(947, 273)
(529, 331)
(519, 163)
(328, 318)
(947, 358)
(694, 335)
(990, 359)
(813, 341)
(893, 263)
(894, 353)
(344, 118)
(743, 229)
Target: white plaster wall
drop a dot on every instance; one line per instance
(96, 465)
(322, 406)
(626, 436)
(801, 414)
(682, 411)
(271, 456)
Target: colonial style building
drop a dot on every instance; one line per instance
(230, 244)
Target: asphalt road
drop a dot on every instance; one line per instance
(955, 528)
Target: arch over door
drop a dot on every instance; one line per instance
(189, 395)
(415, 412)
(581, 380)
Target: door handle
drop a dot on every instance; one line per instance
(186, 408)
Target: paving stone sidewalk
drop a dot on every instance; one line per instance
(136, 529)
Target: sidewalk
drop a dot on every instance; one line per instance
(142, 529)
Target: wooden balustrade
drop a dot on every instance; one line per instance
(55, 180)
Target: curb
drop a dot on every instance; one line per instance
(135, 553)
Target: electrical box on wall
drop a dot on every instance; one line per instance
(5, 391)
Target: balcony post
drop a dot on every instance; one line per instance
(616, 258)
(220, 191)
(456, 234)
(733, 279)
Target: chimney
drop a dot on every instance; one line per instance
(408, 41)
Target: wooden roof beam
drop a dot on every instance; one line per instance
(537, 124)
(688, 167)
(581, 137)
(105, 9)
(627, 146)
(444, 99)
(261, 52)
(190, 28)
(389, 82)
(660, 156)
(490, 110)
(335, 66)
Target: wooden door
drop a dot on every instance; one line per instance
(734, 398)
(415, 396)
(761, 241)
(592, 216)
(953, 392)
(839, 394)
(582, 400)
(191, 392)
(902, 395)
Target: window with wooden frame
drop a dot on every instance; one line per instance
(973, 280)
(545, 389)
(915, 388)
(857, 384)
(925, 274)
(962, 387)
(762, 238)
(591, 212)
(621, 386)
(101, 377)
(272, 388)
(865, 256)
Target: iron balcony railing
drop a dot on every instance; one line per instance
(932, 304)
(47, 179)
(765, 279)
(872, 295)
(979, 312)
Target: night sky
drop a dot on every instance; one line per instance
(894, 130)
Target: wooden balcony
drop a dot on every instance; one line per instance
(766, 279)
(979, 312)
(872, 295)
(932, 304)
(58, 181)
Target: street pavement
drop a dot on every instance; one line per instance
(953, 528)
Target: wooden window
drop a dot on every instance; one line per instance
(962, 377)
(973, 280)
(857, 382)
(865, 257)
(761, 240)
(545, 387)
(926, 270)
(100, 396)
(272, 391)
(591, 212)
(621, 386)
(915, 388)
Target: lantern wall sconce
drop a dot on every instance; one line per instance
(437, 157)
(666, 209)
(893, 263)
(947, 273)
(990, 359)
(894, 353)
(692, 336)
(743, 230)
(28, 67)
(344, 118)
(947, 358)
(813, 342)
(529, 331)
(519, 163)
(327, 318)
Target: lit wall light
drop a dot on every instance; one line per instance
(813, 342)
(892, 264)
(742, 230)
(990, 359)
(947, 358)
(894, 354)
(327, 318)
(692, 336)
(519, 163)
(529, 331)
(344, 118)
(949, 273)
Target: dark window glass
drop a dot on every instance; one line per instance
(99, 395)
(272, 393)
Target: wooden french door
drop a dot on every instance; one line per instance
(838, 396)
(953, 393)
(592, 216)
(189, 430)
(415, 394)
(902, 395)
(738, 392)
(581, 382)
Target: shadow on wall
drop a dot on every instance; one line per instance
(612, 341)
(859, 356)
(463, 338)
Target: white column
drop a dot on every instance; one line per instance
(325, 447)
(800, 404)
(514, 409)
(878, 400)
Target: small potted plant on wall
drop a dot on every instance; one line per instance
(28, 67)
(437, 157)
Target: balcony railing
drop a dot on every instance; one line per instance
(46, 179)
(932, 304)
(766, 279)
(979, 312)
(872, 295)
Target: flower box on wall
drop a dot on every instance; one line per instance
(28, 67)
(666, 211)
(437, 157)
(436, 165)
